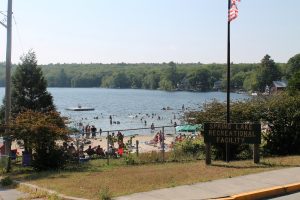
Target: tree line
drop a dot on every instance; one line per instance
(169, 76)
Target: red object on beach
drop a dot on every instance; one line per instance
(120, 151)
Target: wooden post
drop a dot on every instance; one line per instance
(107, 154)
(207, 153)
(256, 153)
(137, 147)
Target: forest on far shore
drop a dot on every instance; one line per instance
(167, 76)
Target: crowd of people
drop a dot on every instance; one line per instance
(97, 151)
(89, 130)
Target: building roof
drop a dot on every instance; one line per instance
(280, 84)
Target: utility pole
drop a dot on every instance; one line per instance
(7, 141)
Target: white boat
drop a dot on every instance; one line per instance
(80, 108)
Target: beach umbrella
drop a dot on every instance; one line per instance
(189, 128)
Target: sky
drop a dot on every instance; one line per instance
(152, 31)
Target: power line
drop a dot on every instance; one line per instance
(3, 13)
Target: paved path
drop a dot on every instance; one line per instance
(222, 188)
(11, 194)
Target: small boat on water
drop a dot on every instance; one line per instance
(80, 108)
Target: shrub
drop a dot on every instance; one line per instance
(129, 159)
(49, 159)
(104, 194)
(280, 112)
(191, 146)
(283, 117)
(6, 181)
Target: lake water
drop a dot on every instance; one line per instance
(130, 107)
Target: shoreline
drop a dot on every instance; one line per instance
(144, 146)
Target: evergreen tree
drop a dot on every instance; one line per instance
(267, 73)
(29, 87)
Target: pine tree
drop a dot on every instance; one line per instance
(267, 73)
(29, 87)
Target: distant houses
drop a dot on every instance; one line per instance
(217, 85)
(278, 86)
(184, 84)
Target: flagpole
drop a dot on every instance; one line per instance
(228, 77)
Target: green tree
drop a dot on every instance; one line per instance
(294, 83)
(151, 80)
(293, 65)
(29, 87)
(283, 116)
(62, 79)
(165, 84)
(250, 82)
(238, 79)
(201, 79)
(29, 91)
(121, 80)
(280, 112)
(267, 72)
(39, 131)
(172, 74)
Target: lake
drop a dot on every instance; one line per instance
(130, 107)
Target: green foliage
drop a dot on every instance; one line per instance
(129, 159)
(293, 65)
(165, 76)
(52, 158)
(201, 78)
(29, 87)
(39, 132)
(189, 148)
(105, 194)
(280, 112)
(250, 82)
(6, 181)
(283, 115)
(3, 164)
(267, 73)
(165, 84)
(294, 84)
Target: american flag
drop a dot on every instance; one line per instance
(233, 11)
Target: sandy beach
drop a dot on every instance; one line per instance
(143, 140)
(144, 143)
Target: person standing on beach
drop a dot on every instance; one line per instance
(120, 137)
(161, 138)
(88, 131)
(152, 127)
(110, 119)
(93, 129)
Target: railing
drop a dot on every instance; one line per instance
(109, 134)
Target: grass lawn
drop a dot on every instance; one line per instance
(87, 180)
